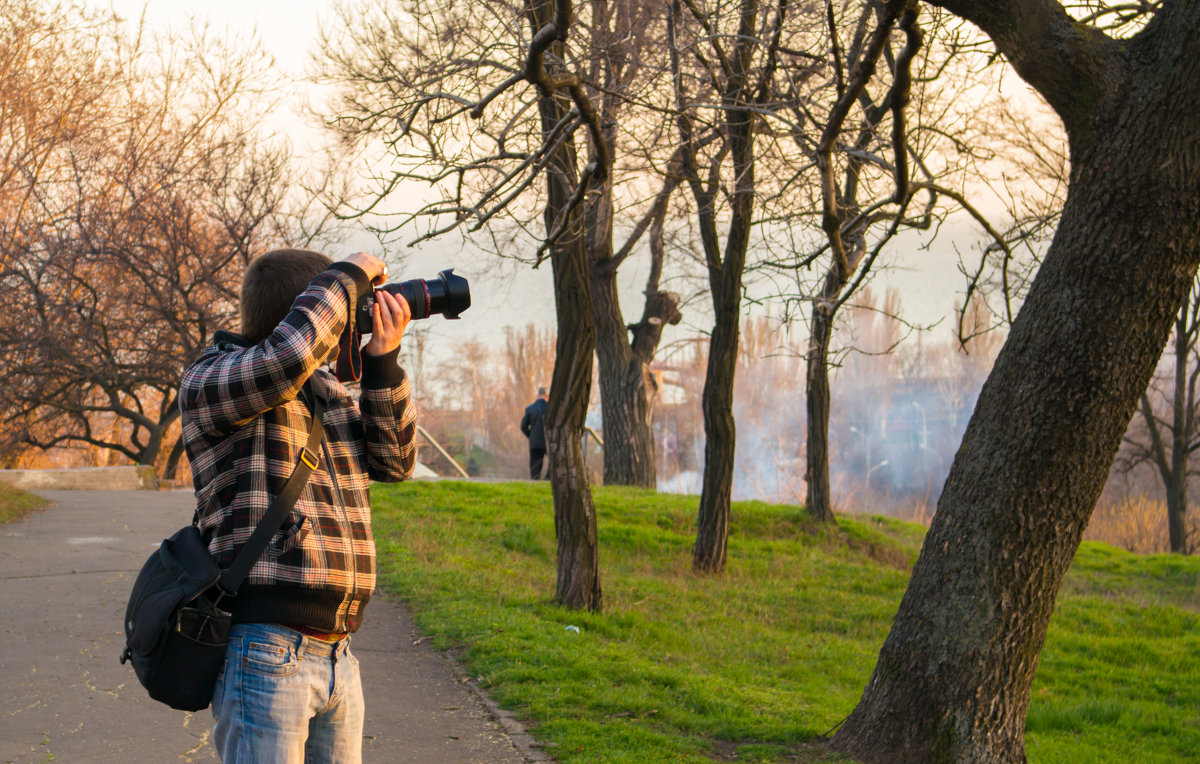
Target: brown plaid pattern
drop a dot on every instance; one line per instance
(244, 425)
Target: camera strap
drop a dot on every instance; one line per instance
(349, 360)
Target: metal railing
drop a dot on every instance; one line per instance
(589, 431)
(438, 447)
(458, 467)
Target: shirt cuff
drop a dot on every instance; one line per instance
(380, 371)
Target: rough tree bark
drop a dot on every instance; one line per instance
(575, 526)
(575, 529)
(953, 678)
(627, 393)
(627, 389)
(726, 266)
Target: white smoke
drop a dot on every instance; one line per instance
(896, 418)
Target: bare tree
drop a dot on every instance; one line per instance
(410, 87)
(561, 94)
(624, 38)
(1166, 431)
(893, 152)
(513, 61)
(953, 678)
(801, 105)
(133, 232)
(723, 61)
(846, 217)
(55, 66)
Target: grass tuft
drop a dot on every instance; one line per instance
(15, 503)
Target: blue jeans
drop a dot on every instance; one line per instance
(285, 698)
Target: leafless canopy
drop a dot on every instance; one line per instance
(138, 191)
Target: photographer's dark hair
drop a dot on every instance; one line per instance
(272, 283)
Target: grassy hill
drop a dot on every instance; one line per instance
(754, 665)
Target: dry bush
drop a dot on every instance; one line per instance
(1137, 524)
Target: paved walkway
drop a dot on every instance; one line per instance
(65, 575)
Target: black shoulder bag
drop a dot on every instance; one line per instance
(175, 630)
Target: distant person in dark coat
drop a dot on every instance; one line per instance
(533, 426)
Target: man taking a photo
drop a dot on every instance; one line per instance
(290, 689)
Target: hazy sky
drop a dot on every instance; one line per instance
(286, 27)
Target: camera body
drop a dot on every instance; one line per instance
(448, 294)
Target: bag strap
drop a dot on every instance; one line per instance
(232, 578)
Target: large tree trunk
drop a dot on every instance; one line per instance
(720, 432)
(578, 584)
(148, 456)
(625, 400)
(627, 393)
(629, 440)
(720, 436)
(574, 511)
(953, 678)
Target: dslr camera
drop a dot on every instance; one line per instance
(448, 294)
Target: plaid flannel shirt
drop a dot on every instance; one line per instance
(244, 424)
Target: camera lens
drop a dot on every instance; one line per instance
(448, 294)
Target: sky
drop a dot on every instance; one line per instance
(928, 280)
(287, 28)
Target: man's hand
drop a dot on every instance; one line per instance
(389, 318)
(375, 268)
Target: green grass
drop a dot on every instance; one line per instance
(15, 503)
(758, 662)
(1119, 678)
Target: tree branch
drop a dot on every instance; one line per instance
(1068, 62)
(901, 92)
(864, 70)
(547, 84)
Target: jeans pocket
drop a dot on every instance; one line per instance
(269, 659)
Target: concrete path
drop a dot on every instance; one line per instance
(65, 575)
